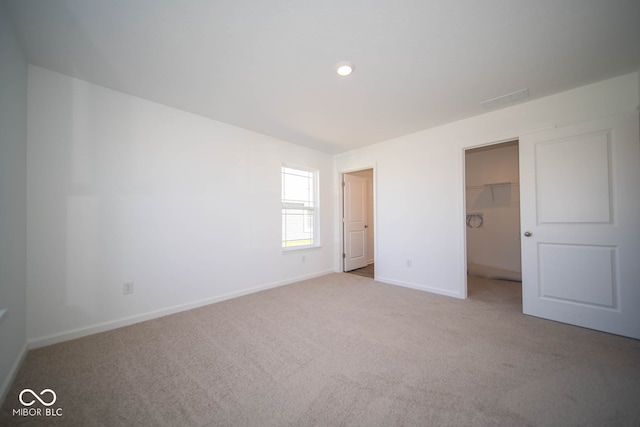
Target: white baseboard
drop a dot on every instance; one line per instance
(8, 381)
(126, 321)
(438, 291)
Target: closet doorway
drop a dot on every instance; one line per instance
(492, 193)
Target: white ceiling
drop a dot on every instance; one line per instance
(268, 66)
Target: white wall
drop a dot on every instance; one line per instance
(497, 242)
(420, 187)
(122, 189)
(13, 179)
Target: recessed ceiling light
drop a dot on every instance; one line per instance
(344, 68)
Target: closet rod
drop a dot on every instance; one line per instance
(494, 184)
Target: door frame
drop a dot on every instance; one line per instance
(465, 290)
(339, 267)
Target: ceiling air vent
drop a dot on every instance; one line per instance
(506, 99)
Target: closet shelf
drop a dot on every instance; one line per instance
(491, 185)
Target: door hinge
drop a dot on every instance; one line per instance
(344, 183)
(344, 256)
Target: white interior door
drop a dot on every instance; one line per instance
(580, 219)
(355, 222)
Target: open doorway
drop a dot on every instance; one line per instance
(358, 223)
(492, 192)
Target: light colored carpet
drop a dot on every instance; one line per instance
(342, 350)
(493, 272)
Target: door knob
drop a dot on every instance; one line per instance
(528, 234)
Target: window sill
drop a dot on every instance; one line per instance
(300, 248)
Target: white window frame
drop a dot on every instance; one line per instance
(313, 211)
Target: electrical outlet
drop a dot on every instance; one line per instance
(127, 288)
(409, 263)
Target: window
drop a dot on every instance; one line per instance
(299, 207)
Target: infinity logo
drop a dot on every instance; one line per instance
(46, 390)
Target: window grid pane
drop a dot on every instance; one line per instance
(298, 207)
